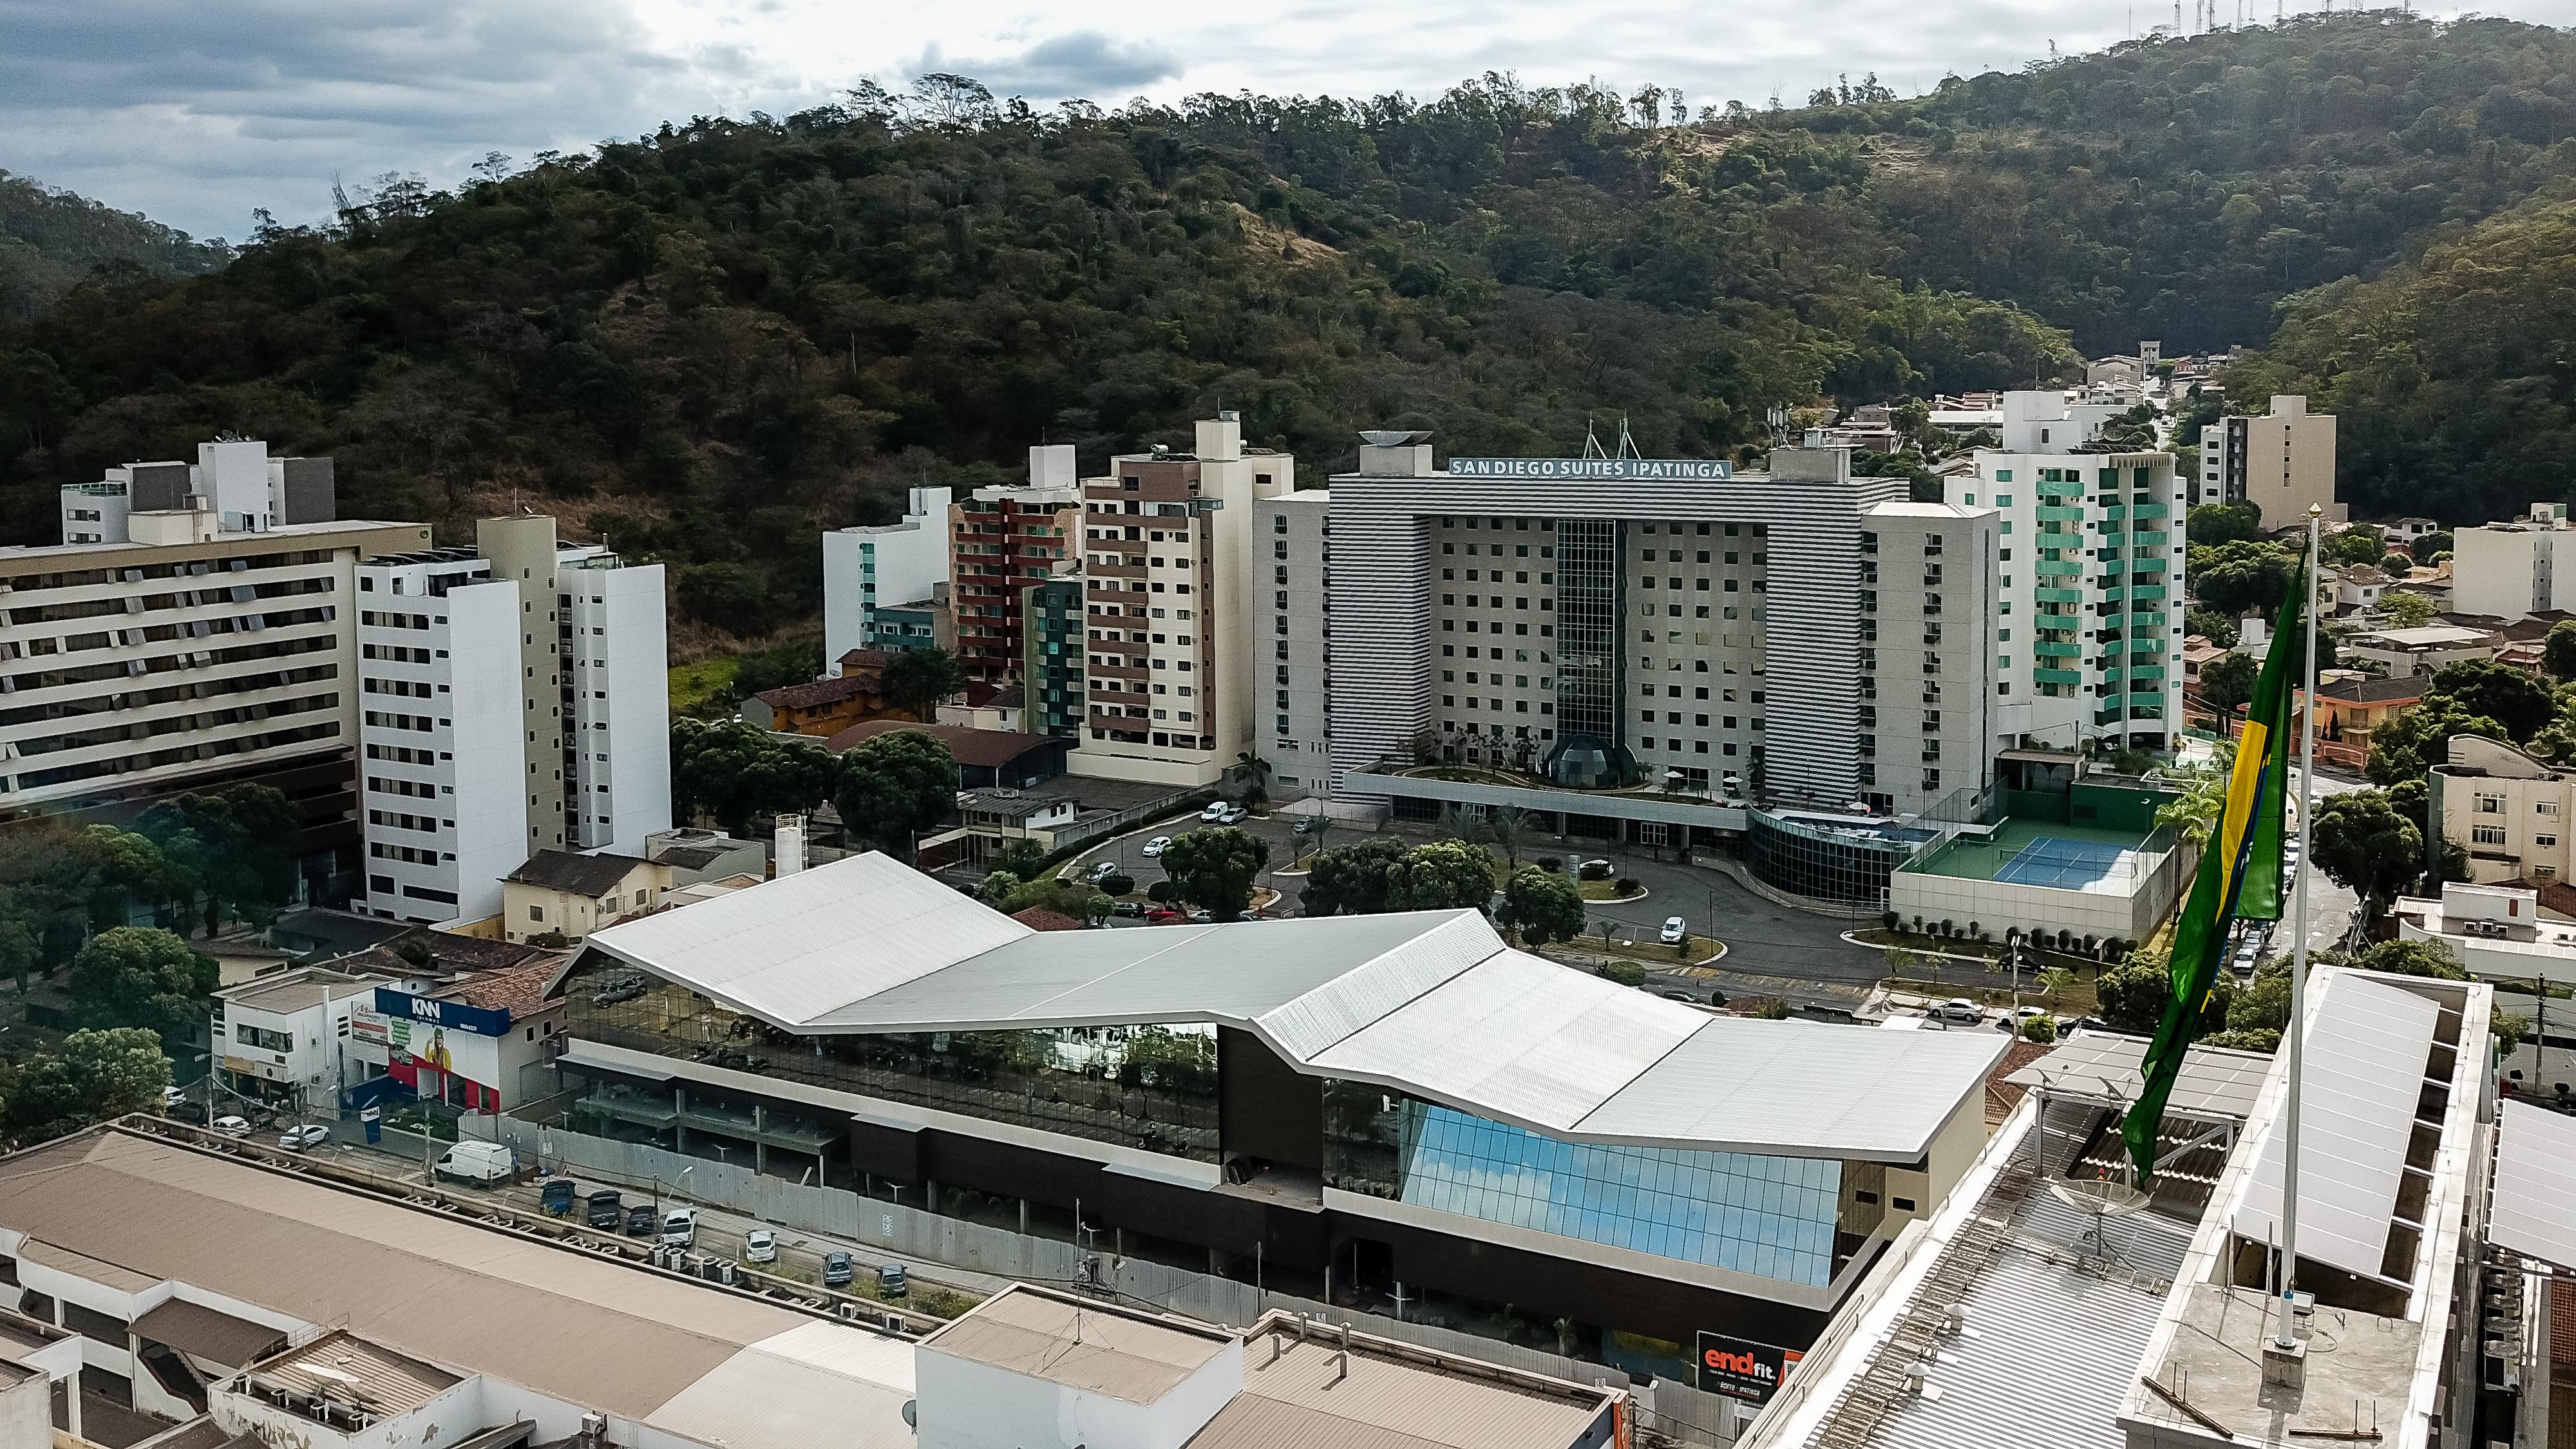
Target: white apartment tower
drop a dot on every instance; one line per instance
(894, 563)
(1292, 640)
(195, 629)
(2510, 570)
(2088, 624)
(2282, 462)
(1169, 584)
(439, 735)
(576, 757)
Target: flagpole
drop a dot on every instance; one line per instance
(2297, 1026)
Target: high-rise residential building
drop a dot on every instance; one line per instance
(866, 569)
(195, 629)
(1002, 541)
(1623, 624)
(2282, 462)
(1051, 674)
(464, 781)
(439, 734)
(1291, 653)
(2088, 621)
(2510, 570)
(1169, 579)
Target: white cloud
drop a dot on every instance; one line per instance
(196, 113)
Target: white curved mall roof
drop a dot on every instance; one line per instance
(1430, 1003)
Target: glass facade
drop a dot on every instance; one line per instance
(1774, 1217)
(1153, 1088)
(1588, 753)
(1828, 862)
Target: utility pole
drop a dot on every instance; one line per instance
(2286, 1335)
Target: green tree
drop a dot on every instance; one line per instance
(20, 947)
(95, 1075)
(998, 886)
(1351, 879)
(1064, 897)
(2216, 523)
(2509, 696)
(2366, 846)
(2041, 1029)
(2404, 747)
(2413, 958)
(2132, 994)
(1020, 856)
(1510, 826)
(2358, 544)
(1445, 875)
(1542, 906)
(2407, 609)
(730, 597)
(1213, 868)
(794, 662)
(2213, 626)
(895, 785)
(146, 977)
(2227, 684)
(2241, 578)
(1253, 773)
(237, 846)
(916, 680)
(2558, 651)
(733, 772)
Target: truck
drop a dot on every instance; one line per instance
(479, 1162)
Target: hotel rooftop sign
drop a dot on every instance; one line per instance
(1673, 470)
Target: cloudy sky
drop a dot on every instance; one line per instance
(196, 113)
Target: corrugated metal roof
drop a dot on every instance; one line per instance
(346, 1369)
(1092, 1347)
(2103, 1067)
(207, 1333)
(1301, 1400)
(448, 1291)
(82, 1265)
(788, 1391)
(2535, 1183)
(795, 947)
(1801, 1089)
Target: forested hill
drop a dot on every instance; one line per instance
(2180, 189)
(711, 341)
(50, 239)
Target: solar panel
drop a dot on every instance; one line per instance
(2534, 1211)
(2367, 1047)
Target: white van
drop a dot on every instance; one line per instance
(680, 1228)
(485, 1162)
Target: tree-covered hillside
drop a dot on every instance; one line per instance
(50, 239)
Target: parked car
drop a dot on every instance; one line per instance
(232, 1126)
(891, 1281)
(172, 1097)
(1215, 811)
(1960, 1008)
(1674, 932)
(1155, 847)
(186, 1111)
(485, 1162)
(1234, 815)
(606, 1209)
(1682, 996)
(760, 1245)
(297, 1139)
(1305, 825)
(1134, 910)
(1101, 871)
(640, 1220)
(836, 1270)
(680, 1228)
(2085, 1023)
(1592, 870)
(556, 1197)
(1166, 916)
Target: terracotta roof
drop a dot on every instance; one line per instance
(447, 952)
(1039, 918)
(866, 659)
(821, 691)
(519, 990)
(2003, 1096)
(582, 875)
(986, 748)
(980, 694)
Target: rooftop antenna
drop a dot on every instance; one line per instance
(1591, 440)
(1627, 444)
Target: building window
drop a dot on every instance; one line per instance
(2486, 835)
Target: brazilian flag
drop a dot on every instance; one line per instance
(2239, 876)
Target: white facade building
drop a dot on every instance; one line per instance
(616, 700)
(893, 563)
(195, 629)
(2089, 616)
(2511, 570)
(2281, 462)
(1292, 654)
(438, 731)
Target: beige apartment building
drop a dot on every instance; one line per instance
(1168, 585)
(2282, 461)
(2508, 810)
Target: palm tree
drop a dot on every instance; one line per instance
(1509, 825)
(1316, 825)
(2204, 796)
(1254, 773)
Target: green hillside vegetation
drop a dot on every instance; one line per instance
(50, 239)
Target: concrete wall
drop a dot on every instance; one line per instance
(2129, 909)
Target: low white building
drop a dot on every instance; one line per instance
(284, 1039)
(2497, 931)
(2426, 649)
(892, 564)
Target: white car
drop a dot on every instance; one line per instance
(232, 1126)
(1960, 1008)
(760, 1245)
(296, 1139)
(172, 1097)
(1674, 932)
(1215, 811)
(1155, 847)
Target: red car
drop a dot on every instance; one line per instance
(1166, 916)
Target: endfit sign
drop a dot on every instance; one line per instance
(1742, 1369)
(1647, 470)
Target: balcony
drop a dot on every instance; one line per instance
(2067, 488)
(2061, 596)
(2147, 591)
(2144, 539)
(2052, 568)
(2147, 621)
(2063, 651)
(2057, 676)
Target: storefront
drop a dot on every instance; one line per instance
(466, 1056)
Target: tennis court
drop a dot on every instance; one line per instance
(2060, 863)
